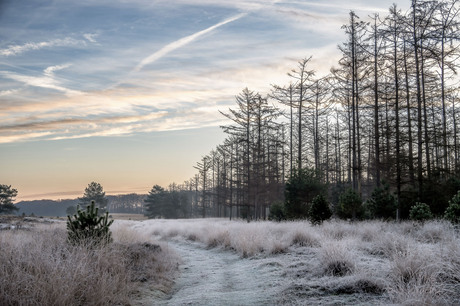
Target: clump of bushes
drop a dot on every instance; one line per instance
(420, 212)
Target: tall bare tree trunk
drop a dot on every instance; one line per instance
(419, 103)
(409, 120)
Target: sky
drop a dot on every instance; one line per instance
(127, 93)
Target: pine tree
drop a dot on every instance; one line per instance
(453, 210)
(319, 210)
(87, 227)
(7, 195)
(94, 192)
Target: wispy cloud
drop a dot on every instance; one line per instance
(46, 81)
(49, 71)
(66, 123)
(182, 42)
(340, 5)
(74, 128)
(23, 137)
(8, 92)
(91, 37)
(18, 49)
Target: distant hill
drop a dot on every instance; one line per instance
(125, 203)
(48, 208)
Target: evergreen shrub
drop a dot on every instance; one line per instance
(319, 210)
(453, 210)
(277, 212)
(86, 227)
(420, 212)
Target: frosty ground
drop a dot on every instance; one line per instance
(295, 263)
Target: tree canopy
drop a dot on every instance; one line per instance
(7, 195)
(162, 203)
(94, 192)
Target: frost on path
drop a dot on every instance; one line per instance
(217, 277)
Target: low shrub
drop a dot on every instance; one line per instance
(304, 238)
(87, 227)
(382, 204)
(420, 212)
(277, 212)
(453, 210)
(336, 259)
(319, 210)
(350, 205)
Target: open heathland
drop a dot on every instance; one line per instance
(336, 263)
(39, 267)
(221, 262)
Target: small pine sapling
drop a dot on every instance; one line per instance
(88, 227)
(420, 212)
(350, 205)
(319, 210)
(453, 210)
(277, 212)
(382, 204)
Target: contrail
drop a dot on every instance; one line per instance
(182, 42)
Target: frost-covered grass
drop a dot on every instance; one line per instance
(38, 267)
(247, 239)
(362, 263)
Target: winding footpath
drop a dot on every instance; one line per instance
(217, 277)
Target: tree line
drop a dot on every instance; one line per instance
(375, 137)
(383, 122)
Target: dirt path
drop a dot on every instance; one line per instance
(217, 277)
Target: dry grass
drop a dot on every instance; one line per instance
(336, 258)
(365, 262)
(38, 267)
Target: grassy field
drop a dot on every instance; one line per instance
(340, 263)
(336, 263)
(39, 267)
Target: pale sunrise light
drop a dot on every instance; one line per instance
(129, 93)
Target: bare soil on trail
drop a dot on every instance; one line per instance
(219, 277)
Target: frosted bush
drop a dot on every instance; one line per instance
(219, 238)
(435, 231)
(391, 243)
(336, 259)
(123, 232)
(418, 277)
(370, 231)
(337, 229)
(302, 235)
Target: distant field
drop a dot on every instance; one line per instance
(134, 217)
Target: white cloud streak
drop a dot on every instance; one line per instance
(18, 49)
(46, 81)
(8, 92)
(50, 70)
(91, 37)
(182, 42)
